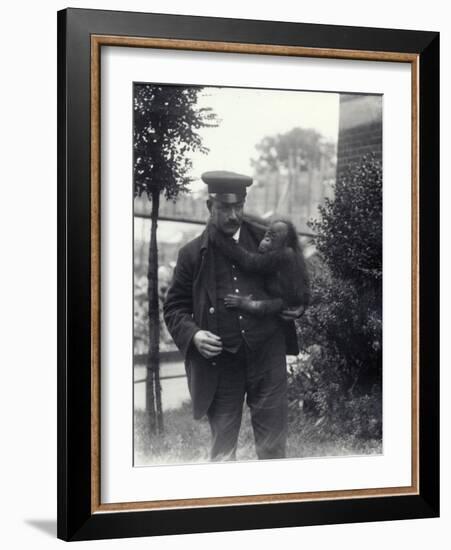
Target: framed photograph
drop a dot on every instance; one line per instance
(248, 274)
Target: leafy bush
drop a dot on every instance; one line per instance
(349, 231)
(340, 374)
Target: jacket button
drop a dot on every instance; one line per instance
(211, 310)
(214, 363)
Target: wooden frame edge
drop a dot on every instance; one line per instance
(415, 270)
(249, 48)
(110, 40)
(95, 276)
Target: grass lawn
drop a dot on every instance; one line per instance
(187, 441)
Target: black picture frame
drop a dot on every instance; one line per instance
(76, 518)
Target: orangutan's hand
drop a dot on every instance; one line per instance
(291, 314)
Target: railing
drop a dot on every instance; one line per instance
(166, 357)
(250, 217)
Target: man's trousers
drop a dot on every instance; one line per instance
(260, 376)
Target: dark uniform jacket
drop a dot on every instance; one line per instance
(191, 305)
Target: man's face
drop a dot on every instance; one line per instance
(226, 217)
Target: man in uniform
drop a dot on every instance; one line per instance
(230, 356)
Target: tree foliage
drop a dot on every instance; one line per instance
(166, 124)
(303, 147)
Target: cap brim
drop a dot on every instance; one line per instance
(228, 198)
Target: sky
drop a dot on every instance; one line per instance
(248, 115)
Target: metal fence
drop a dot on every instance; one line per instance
(166, 357)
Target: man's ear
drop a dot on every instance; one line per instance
(209, 205)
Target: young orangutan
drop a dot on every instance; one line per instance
(280, 258)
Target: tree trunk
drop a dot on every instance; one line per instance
(150, 378)
(153, 389)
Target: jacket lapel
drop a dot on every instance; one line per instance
(247, 238)
(206, 275)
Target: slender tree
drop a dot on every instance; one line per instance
(165, 133)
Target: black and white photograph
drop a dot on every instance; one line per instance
(226, 252)
(257, 267)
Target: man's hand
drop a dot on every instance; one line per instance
(208, 344)
(292, 314)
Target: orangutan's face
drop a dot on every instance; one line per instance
(275, 237)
